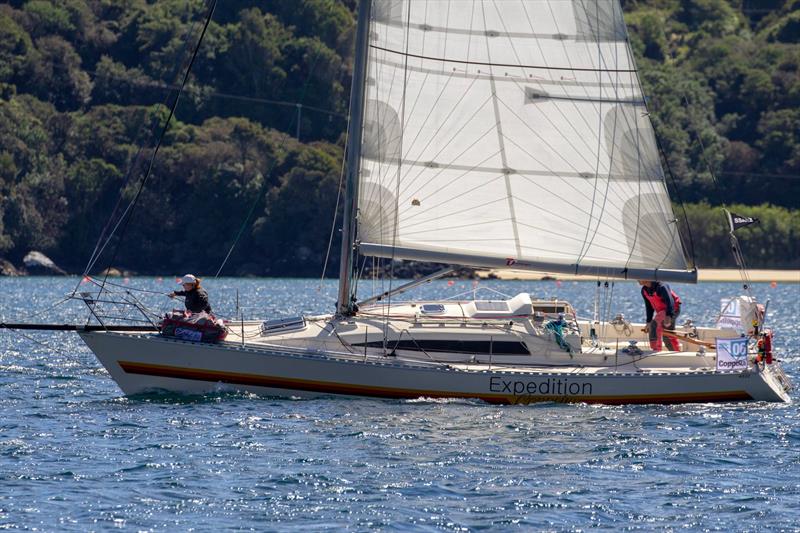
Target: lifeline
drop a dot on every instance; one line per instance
(550, 386)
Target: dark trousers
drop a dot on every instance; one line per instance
(656, 332)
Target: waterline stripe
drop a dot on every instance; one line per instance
(236, 378)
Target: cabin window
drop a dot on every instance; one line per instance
(483, 347)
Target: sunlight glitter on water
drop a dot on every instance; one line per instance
(77, 455)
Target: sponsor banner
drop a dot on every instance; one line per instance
(730, 314)
(732, 354)
(189, 334)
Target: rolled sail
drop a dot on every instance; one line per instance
(512, 133)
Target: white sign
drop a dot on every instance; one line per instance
(730, 315)
(732, 354)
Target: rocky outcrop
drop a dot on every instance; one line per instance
(38, 264)
(8, 269)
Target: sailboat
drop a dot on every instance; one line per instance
(496, 134)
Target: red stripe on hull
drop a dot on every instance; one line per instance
(327, 387)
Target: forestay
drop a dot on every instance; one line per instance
(511, 133)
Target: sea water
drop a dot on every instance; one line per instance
(75, 454)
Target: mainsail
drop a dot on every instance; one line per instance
(511, 133)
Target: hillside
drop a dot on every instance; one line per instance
(85, 83)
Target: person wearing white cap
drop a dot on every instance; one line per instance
(196, 296)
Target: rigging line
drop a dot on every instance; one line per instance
(611, 155)
(433, 136)
(703, 154)
(638, 203)
(45, 310)
(446, 30)
(196, 91)
(397, 187)
(616, 43)
(98, 249)
(597, 162)
(126, 287)
(602, 59)
(574, 223)
(480, 63)
(443, 168)
(384, 170)
(336, 209)
(544, 141)
(382, 143)
(671, 247)
(147, 174)
(566, 182)
(439, 72)
(434, 208)
(134, 163)
(544, 57)
(759, 174)
(563, 48)
(579, 134)
(335, 215)
(455, 180)
(551, 232)
(360, 274)
(257, 199)
(639, 184)
(631, 59)
(675, 188)
(503, 155)
(471, 239)
(574, 105)
(131, 170)
(93, 262)
(105, 236)
(429, 115)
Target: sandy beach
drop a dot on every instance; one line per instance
(703, 275)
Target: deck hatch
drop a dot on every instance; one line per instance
(281, 325)
(432, 309)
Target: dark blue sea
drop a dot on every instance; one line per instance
(77, 455)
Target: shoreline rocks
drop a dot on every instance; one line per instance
(38, 264)
(9, 270)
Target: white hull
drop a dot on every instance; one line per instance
(146, 363)
(499, 352)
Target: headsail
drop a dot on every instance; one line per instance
(512, 133)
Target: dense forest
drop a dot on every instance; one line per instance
(254, 151)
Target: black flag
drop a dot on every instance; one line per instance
(739, 221)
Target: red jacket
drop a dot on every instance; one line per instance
(659, 298)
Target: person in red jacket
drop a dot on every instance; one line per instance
(663, 307)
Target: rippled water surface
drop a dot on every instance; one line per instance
(75, 454)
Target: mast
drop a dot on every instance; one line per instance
(345, 303)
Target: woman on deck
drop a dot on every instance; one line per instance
(196, 296)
